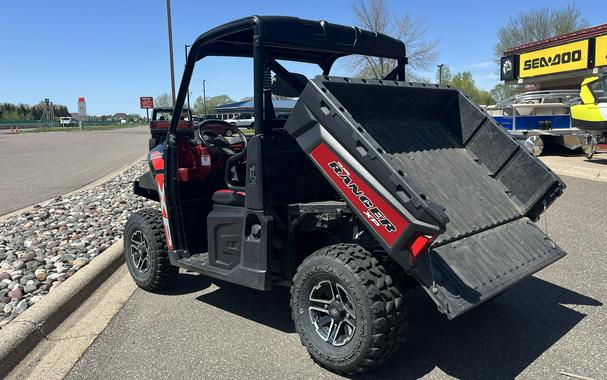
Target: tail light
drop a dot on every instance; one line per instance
(419, 243)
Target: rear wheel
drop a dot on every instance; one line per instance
(347, 311)
(146, 252)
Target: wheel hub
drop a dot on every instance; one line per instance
(332, 312)
(139, 252)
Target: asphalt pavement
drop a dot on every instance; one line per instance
(553, 322)
(39, 166)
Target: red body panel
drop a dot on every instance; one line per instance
(376, 211)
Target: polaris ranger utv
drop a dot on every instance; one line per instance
(161, 121)
(369, 186)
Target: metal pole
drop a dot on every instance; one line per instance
(204, 97)
(440, 73)
(171, 50)
(186, 59)
(147, 114)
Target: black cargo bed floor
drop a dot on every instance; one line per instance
(445, 173)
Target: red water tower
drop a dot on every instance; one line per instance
(81, 107)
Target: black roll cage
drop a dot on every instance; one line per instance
(267, 39)
(270, 38)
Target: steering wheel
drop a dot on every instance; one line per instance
(214, 134)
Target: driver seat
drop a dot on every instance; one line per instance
(228, 197)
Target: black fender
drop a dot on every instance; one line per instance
(145, 187)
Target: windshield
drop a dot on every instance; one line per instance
(162, 115)
(599, 89)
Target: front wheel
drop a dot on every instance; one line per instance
(347, 311)
(146, 253)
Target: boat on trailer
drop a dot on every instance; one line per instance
(536, 118)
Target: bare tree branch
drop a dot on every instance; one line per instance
(376, 16)
(538, 24)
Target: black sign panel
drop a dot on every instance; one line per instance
(509, 68)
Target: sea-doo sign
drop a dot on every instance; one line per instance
(556, 59)
(600, 57)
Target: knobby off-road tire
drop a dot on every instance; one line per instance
(146, 253)
(372, 303)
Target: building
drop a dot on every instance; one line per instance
(120, 116)
(232, 110)
(561, 62)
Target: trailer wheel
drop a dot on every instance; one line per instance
(146, 252)
(347, 311)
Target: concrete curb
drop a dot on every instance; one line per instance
(20, 336)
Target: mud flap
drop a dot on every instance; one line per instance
(472, 270)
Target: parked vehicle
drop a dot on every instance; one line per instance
(591, 115)
(539, 117)
(369, 186)
(161, 120)
(67, 121)
(245, 120)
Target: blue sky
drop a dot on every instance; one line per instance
(111, 52)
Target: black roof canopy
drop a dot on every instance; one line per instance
(295, 39)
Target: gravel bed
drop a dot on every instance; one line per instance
(41, 248)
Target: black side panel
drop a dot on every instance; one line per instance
(472, 270)
(239, 248)
(289, 176)
(254, 175)
(527, 179)
(225, 236)
(492, 147)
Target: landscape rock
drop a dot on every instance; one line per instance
(80, 262)
(21, 307)
(15, 294)
(43, 247)
(30, 288)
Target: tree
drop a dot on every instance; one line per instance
(538, 24)
(132, 117)
(443, 75)
(376, 16)
(216, 101)
(163, 100)
(504, 91)
(198, 106)
(212, 102)
(465, 83)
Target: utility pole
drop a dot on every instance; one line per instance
(171, 50)
(440, 73)
(204, 97)
(186, 62)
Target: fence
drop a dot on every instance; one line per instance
(28, 124)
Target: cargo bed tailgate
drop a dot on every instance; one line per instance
(471, 270)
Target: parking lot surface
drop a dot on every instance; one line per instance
(40, 166)
(552, 322)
